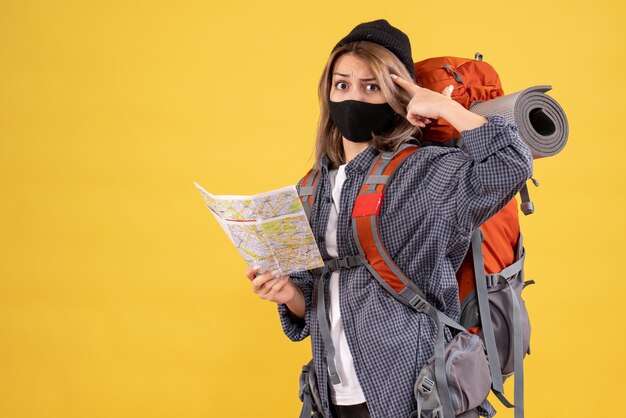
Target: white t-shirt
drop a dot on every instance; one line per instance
(349, 392)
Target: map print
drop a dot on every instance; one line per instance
(250, 208)
(269, 229)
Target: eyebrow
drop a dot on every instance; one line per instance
(362, 79)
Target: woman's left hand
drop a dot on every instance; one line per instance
(425, 104)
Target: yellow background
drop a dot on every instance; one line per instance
(119, 294)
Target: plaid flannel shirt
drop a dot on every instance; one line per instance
(436, 199)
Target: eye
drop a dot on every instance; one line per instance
(341, 85)
(372, 87)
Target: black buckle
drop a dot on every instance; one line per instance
(333, 264)
(350, 261)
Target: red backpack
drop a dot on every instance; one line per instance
(493, 265)
(473, 80)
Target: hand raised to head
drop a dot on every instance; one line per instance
(425, 104)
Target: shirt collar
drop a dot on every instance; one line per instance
(361, 163)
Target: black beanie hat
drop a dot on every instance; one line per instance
(382, 33)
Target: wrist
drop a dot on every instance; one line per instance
(460, 118)
(297, 294)
(297, 305)
(449, 108)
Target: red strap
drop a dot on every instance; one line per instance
(367, 204)
(365, 233)
(365, 215)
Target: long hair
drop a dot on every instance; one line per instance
(382, 63)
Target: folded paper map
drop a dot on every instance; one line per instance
(269, 229)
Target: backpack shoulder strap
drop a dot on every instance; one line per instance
(365, 230)
(451, 143)
(308, 191)
(384, 269)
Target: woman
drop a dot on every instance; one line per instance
(438, 196)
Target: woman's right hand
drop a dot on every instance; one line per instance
(273, 289)
(427, 104)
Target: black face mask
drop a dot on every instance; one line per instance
(357, 120)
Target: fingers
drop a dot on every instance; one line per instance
(422, 122)
(266, 285)
(426, 105)
(269, 289)
(415, 118)
(448, 91)
(259, 281)
(277, 287)
(406, 85)
(251, 272)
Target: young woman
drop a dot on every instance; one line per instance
(370, 104)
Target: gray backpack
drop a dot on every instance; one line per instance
(496, 307)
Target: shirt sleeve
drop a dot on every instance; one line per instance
(295, 328)
(472, 185)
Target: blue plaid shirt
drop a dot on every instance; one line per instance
(436, 199)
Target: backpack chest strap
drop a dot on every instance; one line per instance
(335, 264)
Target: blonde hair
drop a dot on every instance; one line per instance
(382, 63)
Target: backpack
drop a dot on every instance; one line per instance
(491, 277)
(456, 378)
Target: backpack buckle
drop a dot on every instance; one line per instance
(426, 386)
(333, 264)
(492, 279)
(528, 208)
(387, 155)
(350, 261)
(419, 304)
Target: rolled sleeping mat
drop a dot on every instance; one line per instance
(541, 121)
